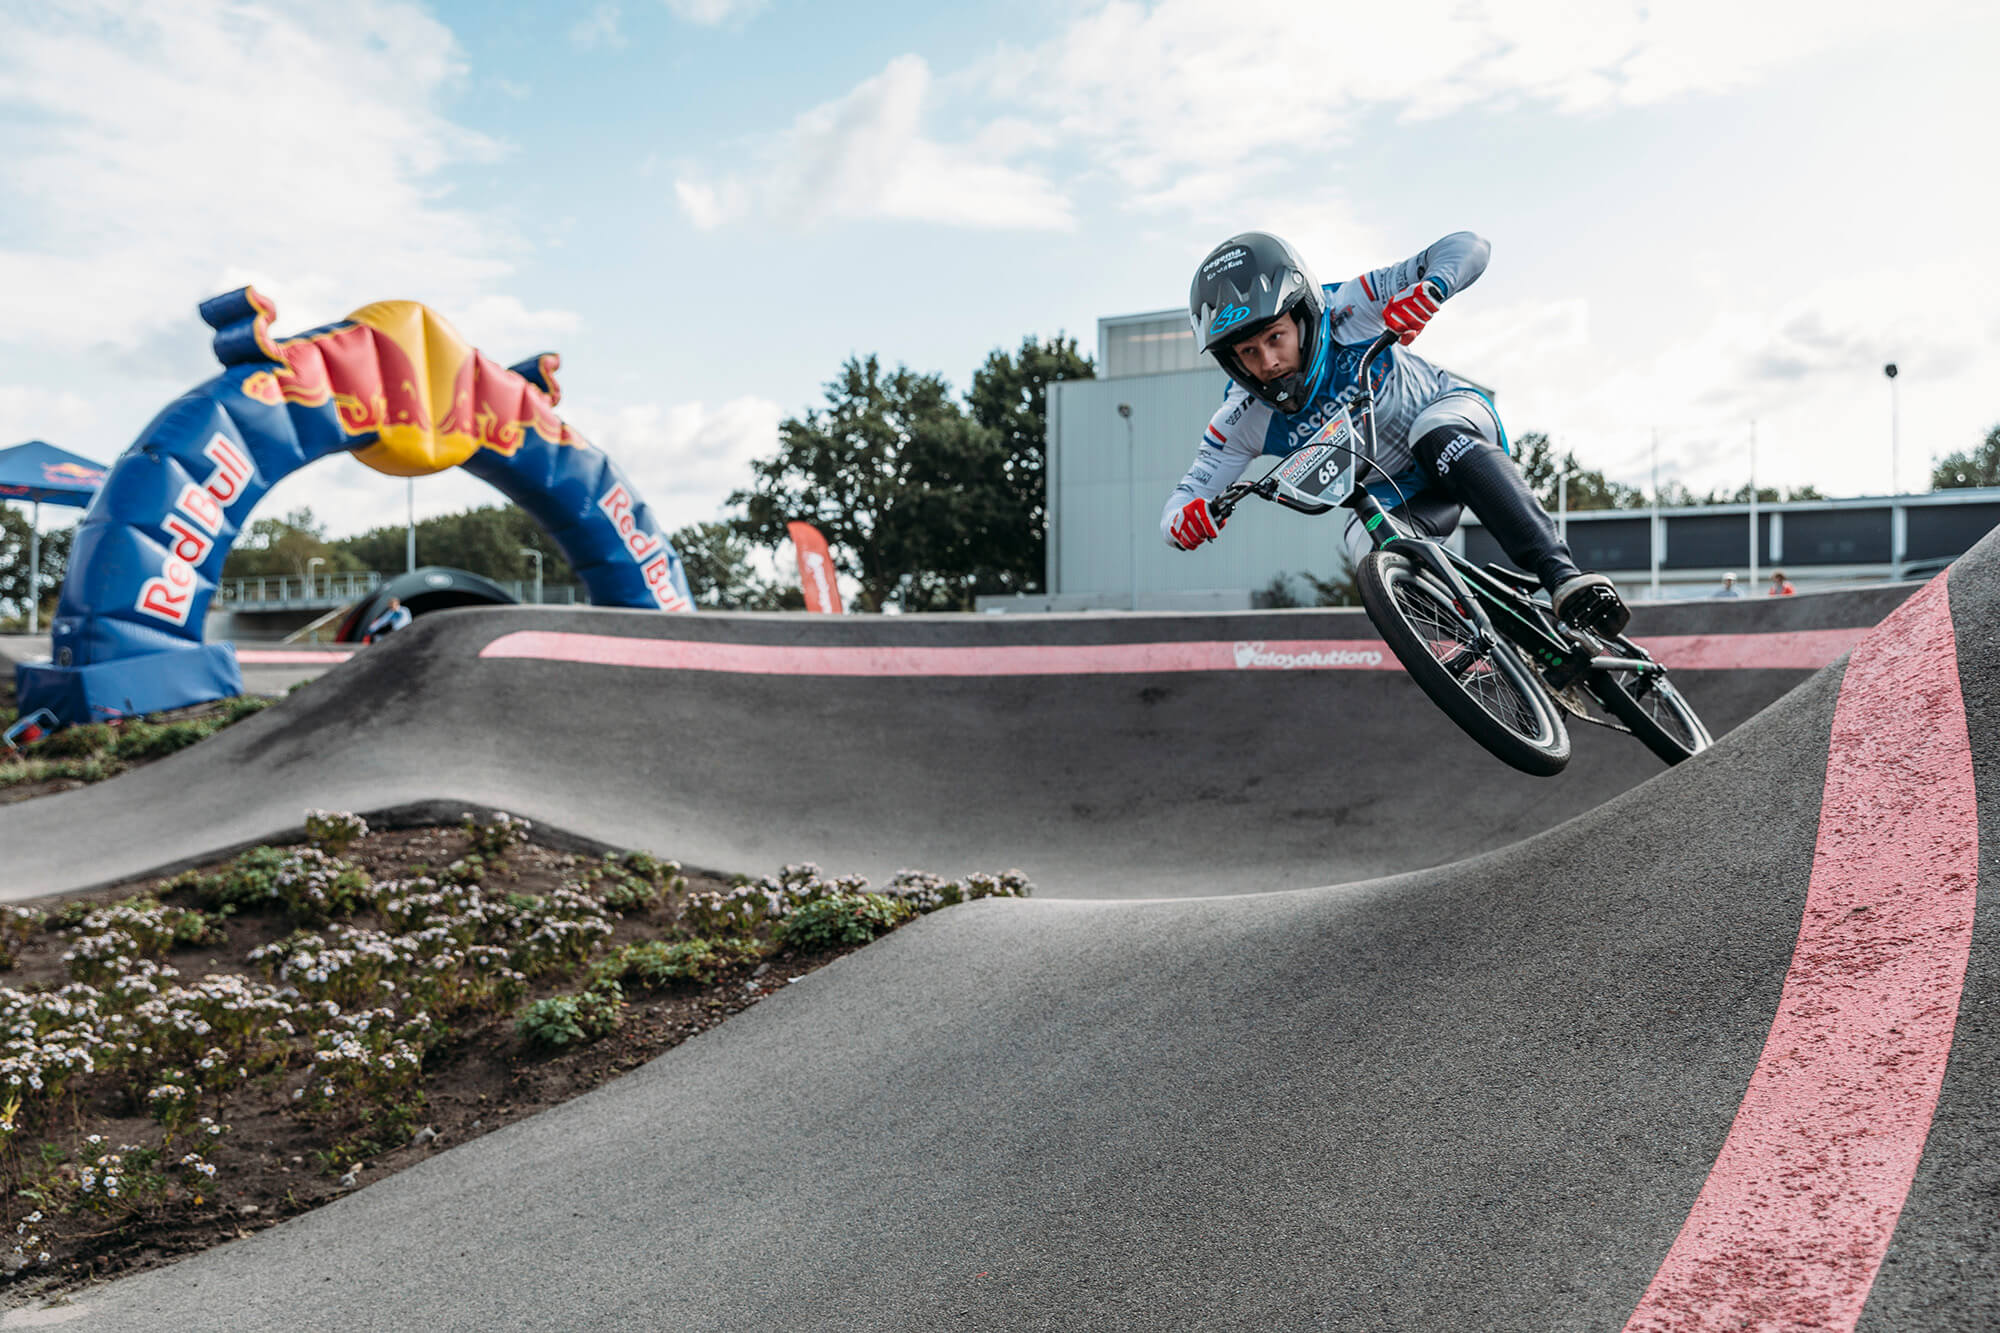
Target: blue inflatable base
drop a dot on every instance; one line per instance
(130, 686)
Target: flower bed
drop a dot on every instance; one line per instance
(242, 1042)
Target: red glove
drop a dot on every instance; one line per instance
(1410, 309)
(1194, 525)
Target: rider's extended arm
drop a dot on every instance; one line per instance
(1223, 455)
(1453, 263)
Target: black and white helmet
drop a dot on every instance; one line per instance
(1244, 284)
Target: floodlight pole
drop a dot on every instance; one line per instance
(1654, 544)
(1895, 469)
(1753, 506)
(1131, 516)
(35, 571)
(529, 550)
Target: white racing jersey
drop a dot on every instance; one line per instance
(1404, 383)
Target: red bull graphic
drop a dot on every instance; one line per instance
(395, 386)
(57, 474)
(815, 568)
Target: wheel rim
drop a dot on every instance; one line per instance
(1660, 702)
(1451, 642)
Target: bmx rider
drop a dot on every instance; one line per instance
(1290, 346)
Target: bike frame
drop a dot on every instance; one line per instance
(1561, 654)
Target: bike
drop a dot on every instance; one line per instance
(1483, 643)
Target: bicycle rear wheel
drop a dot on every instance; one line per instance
(1658, 714)
(1491, 693)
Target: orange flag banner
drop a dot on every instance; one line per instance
(815, 569)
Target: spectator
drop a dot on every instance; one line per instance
(1728, 588)
(1779, 586)
(394, 618)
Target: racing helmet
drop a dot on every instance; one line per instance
(1245, 283)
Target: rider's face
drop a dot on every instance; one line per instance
(1273, 353)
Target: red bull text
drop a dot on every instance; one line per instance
(646, 549)
(191, 529)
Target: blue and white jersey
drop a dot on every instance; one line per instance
(1404, 383)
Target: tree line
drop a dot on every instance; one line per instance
(928, 499)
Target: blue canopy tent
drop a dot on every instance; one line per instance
(41, 473)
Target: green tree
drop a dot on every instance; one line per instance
(1588, 488)
(896, 476)
(485, 541)
(716, 558)
(1009, 396)
(275, 546)
(1979, 466)
(14, 551)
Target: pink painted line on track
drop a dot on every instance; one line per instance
(1793, 1222)
(1001, 660)
(287, 656)
(1802, 650)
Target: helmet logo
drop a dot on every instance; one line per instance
(1229, 317)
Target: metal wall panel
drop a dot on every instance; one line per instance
(1948, 530)
(1097, 499)
(1837, 536)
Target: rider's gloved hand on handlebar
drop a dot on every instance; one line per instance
(1194, 525)
(1410, 309)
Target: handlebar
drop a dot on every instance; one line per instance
(1266, 487)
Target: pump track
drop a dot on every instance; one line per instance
(1320, 1018)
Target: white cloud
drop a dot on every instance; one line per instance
(32, 413)
(685, 458)
(159, 153)
(1809, 373)
(866, 155)
(1183, 89)
(597, 28)
(710, 13)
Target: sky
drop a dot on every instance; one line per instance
(1712, 223)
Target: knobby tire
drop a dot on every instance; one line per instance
(1498, 702)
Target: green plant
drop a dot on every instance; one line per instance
(496, 836)
(243, 705)
(657, 964)
(144, 740)
(75, 742)
(841, 919)
(248, 881)
(334, 831)
(570, 1020)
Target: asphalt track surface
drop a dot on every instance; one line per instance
(1093, 772)
(1678, 1063)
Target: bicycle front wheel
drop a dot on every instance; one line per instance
(1657, 713)
(1490, 692)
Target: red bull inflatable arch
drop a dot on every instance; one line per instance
(395, 385)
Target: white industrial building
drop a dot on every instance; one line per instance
(1117, 445)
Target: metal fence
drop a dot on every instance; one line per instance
(276, 592)
(324, 592)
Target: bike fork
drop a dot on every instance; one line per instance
(1383, 533)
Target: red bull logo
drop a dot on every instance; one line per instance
(72, 474)
(645, 548)
(398, 371)
(191, 528)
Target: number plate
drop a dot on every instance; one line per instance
(1324, 468)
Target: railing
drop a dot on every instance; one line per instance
(289, 592)
(323, 592)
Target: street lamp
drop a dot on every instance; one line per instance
(1131, 517)
(1895, 472)
(529, 550)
